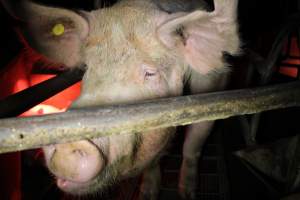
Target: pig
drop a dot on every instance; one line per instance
(132, 51)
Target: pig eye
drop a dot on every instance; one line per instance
(150, 73)
(58, 29)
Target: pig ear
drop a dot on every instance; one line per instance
(56, 33)
(202, 37)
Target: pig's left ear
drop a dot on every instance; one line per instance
(202, 37)
(56, 33)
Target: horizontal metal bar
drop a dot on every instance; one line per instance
(86, 123)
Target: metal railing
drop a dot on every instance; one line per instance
(86, 123)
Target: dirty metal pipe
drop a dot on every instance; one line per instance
(86, 123)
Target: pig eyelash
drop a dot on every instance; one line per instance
(150, 74)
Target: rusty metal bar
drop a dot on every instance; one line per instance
(32, 132)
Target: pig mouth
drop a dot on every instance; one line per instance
(71, 186)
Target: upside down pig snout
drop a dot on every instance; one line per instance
(74, 164)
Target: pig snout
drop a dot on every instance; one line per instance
(74, 164)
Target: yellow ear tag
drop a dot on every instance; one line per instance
(58, 29)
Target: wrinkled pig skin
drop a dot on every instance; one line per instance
(133, 51)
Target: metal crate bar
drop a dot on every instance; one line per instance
(86, 123)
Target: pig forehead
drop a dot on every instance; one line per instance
(121, 24)
(122, 36)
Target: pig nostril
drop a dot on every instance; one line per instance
(79, 152)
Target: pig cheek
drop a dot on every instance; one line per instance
(158, 87)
